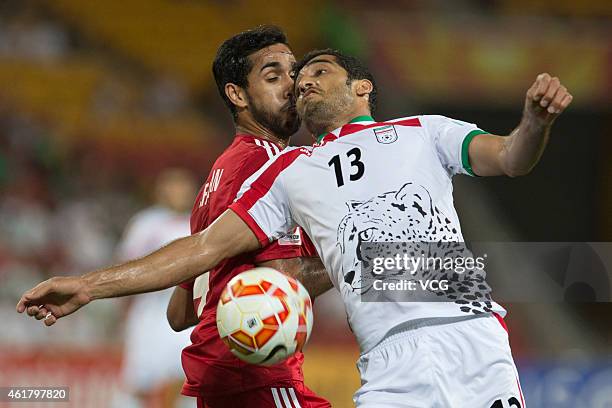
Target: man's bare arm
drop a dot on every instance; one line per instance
(309, 271)
(518, 153)
(180, 313)
(177, 262)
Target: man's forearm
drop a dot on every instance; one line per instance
(544, 102)
(523, 149)
(309, 271)
(314, 277)
(177, 262)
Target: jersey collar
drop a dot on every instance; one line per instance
(362, 118)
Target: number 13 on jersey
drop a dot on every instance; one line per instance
(357, 168)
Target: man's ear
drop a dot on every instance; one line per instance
(236, 95)
(363, 87)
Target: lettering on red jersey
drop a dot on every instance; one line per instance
(211, 186)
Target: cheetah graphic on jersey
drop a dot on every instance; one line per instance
(406, 221)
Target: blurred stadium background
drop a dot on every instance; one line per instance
(97, 97)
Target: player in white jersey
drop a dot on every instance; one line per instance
(147, 332)
(357, 183)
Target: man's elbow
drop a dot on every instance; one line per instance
(178, 321)
(175, 324)
(518, 172)
(177, 329)
(512, 166)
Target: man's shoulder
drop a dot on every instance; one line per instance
(402, 118)
(431, 124)
(418, 120)
(269, 172)
(246, 155)
(242, 146)
(288, 156)
(430, 120)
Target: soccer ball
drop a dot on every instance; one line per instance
(264, 316)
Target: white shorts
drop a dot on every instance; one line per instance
(464, 364)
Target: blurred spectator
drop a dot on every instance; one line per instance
(165, 97)
(28, 36)
(147, 331)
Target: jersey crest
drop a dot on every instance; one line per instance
(385, 134)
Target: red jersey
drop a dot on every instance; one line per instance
(210, 368)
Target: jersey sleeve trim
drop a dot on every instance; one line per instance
(243, 213)
(263, 183)
(465, 157)
(259, 188)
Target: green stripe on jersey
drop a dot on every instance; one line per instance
(465, 157)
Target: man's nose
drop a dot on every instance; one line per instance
(304, 84)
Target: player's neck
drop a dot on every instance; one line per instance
(339, 121)
(256, 129)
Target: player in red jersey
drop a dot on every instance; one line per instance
(252, 71)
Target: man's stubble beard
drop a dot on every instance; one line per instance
(321, 116)
(282, 124)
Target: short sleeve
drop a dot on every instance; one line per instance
(451, 139)
(262, 201)
(295, 244)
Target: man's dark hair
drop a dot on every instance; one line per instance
(232, 63)
(354, 67)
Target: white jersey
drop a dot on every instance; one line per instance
(367, 182)
(147, 330)
(150, 229)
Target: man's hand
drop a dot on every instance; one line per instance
(54, 298)
(546, 99)
(518, 153)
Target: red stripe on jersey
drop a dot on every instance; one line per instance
(263, 184)
(309, 248)
(501, 321)
(518, 383)
(407, 122)
(262, 237)
(329, 137)
(260, 188)
(520, 392)
(356, 127)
